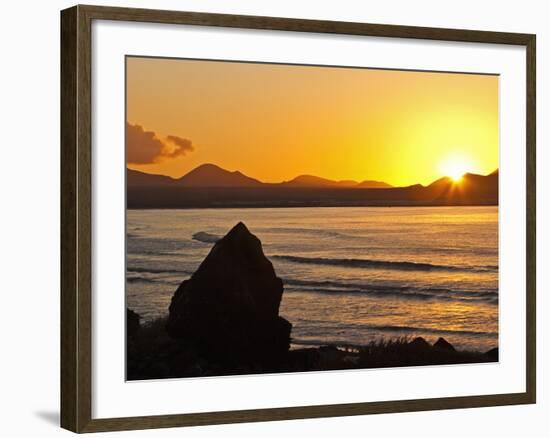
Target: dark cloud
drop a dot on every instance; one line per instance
(145, 147)
(180, 146)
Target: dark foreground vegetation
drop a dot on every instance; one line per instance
(153, 354)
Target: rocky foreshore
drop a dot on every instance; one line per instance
(153, 354)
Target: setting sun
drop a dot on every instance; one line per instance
(455, 167)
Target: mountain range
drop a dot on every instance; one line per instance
(209, 185)
(210, 175)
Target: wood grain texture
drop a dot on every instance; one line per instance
(339, 410)
(531, 213)
(76, 223)
(69, 328)
(76, 251)
(300, 25)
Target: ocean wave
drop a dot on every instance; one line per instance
(133, 251)
(407, 330)
(204, 237)
(435, 331)
(137, 274)
(142, 279)
(156, 280)
(302, 231)
(396, 291)
(328, 287)
(414, 294)
(382, 264)
(156, 270)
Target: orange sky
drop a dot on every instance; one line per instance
(274, 122)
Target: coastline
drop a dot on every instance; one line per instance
(309, 205)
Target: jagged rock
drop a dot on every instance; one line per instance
(229, 308)
(132, 322)
(442, 344)
(419, 343)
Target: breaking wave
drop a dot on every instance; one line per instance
(204, 237)
(377, 290)
(382, 264)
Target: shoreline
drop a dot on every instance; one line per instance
(298, 344)
(272, 206)
(152, 354)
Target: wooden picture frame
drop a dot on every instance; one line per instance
(76, 217)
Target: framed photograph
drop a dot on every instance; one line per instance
(270, 218)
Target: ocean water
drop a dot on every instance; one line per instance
(351, 275)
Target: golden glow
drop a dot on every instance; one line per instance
(274, 122)
(455, 167)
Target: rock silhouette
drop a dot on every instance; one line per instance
(419, 343)
(443, 344)
(229, 309)
(132, 322)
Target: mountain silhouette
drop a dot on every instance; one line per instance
(470, 187)
(135, 178)
(316, 181)
(210, 175)
(211, 186)
(206, 175)
(369, 184)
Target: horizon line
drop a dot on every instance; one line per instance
(305, 174)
